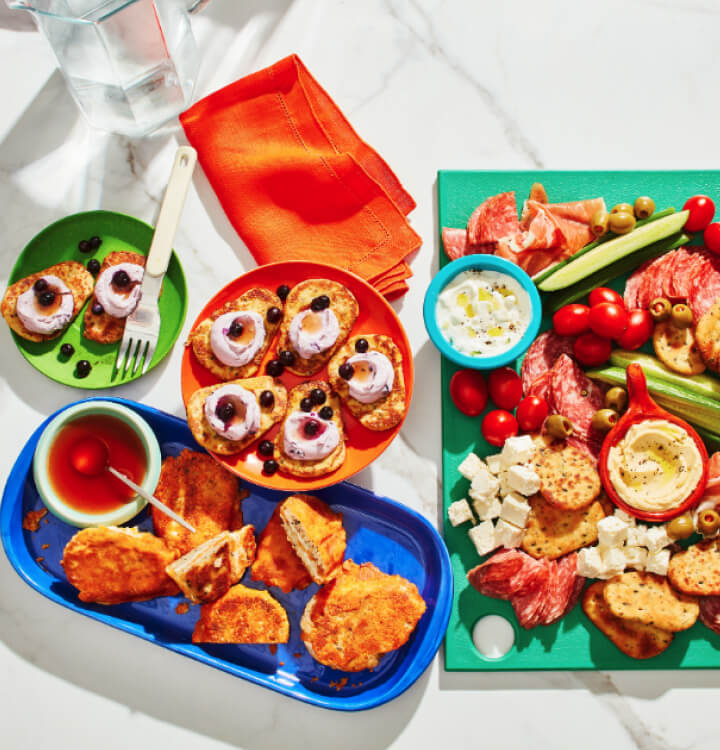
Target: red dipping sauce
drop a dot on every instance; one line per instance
(102, 493)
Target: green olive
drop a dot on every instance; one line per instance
(625, 208)
(681, 527)
(616, 399)
(644, 207)
(660, 309)
(622, 222)
(604, 420)
(599, 223)
(708, 522)
(559, 426)
(682, 316)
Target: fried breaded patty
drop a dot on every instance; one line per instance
(316, 534)
(208, 571)
(103, 328)
(276, 563)
(342, 303)
(242, 615)
(204, 493)
(78, 280)
(111, 565)
(324, 465)
(208, 438)
(359, 616)
(257, 299)
(387, 411)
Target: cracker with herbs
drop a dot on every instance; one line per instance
(568, 477)
(696, 570)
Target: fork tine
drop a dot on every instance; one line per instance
(122, 354)
(150, 354)
(142, 344)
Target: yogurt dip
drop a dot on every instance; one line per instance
(483, 313)
(47, 319)
(239, 350)
(244, 419)
(373, 377)
(313, 332)
(119, 301)
(300, 444)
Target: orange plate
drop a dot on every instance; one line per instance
(375, 316)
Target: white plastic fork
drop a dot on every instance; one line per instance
(142, 326)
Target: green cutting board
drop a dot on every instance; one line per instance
(574, 642)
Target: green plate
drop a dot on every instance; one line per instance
(572, 643)
(59, 242)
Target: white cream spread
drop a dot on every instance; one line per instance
(299, 445)
(119, 302)
(313, 332)
(483, 313)
(373, 377)
(236, 352)
(46, 320)
(246, 419)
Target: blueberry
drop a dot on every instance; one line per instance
(318, 396)
(361, 346)
(84, 246)
(120, 278)
(267, 399)
(286, 357)
(270, 466)
(274, 368)
(67, 350)
(311, 428)
(95, 242)
(46, 298)
(326, 413)
(346, 371)
(265, 448)
(93, 265)
(225, 410)
(320, 303)
(40, 286)
(98, 309)
(82, 368)
(236, 329)
(274, 315)
(306, 404)
(282, 291)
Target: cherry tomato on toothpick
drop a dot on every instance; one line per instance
(468, 391)
(499, 425)
(711, 237)
(639, 329)
(570, 320)
(604, 294)
(531, 413)
(608, 320)
(702, 210)
(592, 350)
(505, 388)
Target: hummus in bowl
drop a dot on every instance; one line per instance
(656, 466)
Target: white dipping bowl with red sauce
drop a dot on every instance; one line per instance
(100, 500)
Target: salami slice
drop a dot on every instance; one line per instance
(567, 578)
(541, 356)
(550, 595)
(710, 612)
(680, 269)
(632, 286)
(493, 577)
(705, 287)
(575, 396)
(456, 245)
(653, 281)
(540, 386)
(528, 605)
(494, 219)
(578, 586)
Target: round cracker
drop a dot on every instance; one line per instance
(568, 477)
(696, 570)
(677, 349)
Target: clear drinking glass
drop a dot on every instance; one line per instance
(130, 64)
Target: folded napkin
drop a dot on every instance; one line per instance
(297, 182)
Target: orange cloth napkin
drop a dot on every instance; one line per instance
(297, 182)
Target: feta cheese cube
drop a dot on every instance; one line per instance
(487, 509)
(657, 562)
(612, 532)
(505, 487)
(517, 450)
(494, 463)
(483, 537)
(515, 510)
(589, 563)
(626, 518)
(470, 466)
(637, 536)
(657, 538)
(523, 480)
(484, 485)
(508, 535)
(635, 557)
(459, 512)
(613, 559)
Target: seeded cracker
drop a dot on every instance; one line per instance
(568, 477)
(697, 569)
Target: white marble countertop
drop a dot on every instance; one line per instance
(431, 84)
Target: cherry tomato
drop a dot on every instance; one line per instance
(711, 236)
(608, 320)
(702, 210)
(498, 425)
(604, 294)
(469, 392)
(571, 319)
(592, 350)
(640, 327)
(505, 388)
(531, 413)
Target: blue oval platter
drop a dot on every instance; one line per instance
(379, 530)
